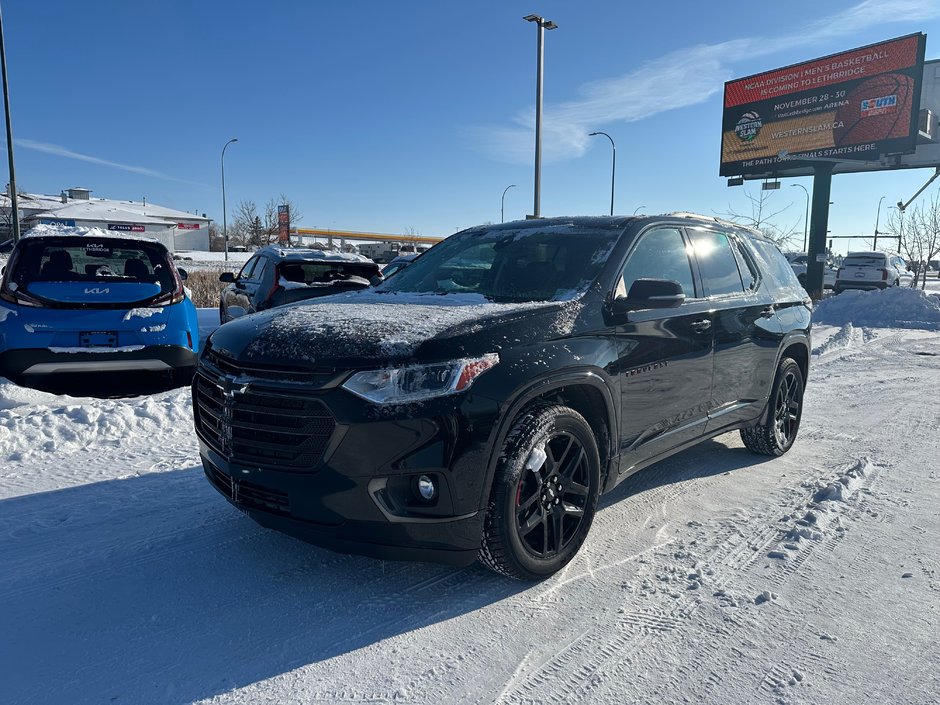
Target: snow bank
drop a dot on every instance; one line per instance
(897, 307)
(35, 423)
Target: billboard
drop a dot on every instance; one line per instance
(856, 105)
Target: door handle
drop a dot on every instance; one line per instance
(701, 326)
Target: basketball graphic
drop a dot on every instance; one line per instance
(877, 109)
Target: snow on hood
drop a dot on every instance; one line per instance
(371, 325)
(895, 307)
(80, 231)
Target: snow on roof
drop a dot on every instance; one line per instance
(91, 209)
(895, 307)
(79, 231)
(307, 253)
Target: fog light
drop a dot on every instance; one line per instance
(426, 488)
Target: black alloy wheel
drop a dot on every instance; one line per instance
(776, 432)
(544, 493)
(787, 408)
(551, 498)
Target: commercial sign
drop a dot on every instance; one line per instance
(57, 221)
(283, 224)
(126, 227)
(856, 105)
(187, 226)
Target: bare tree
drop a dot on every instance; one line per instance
(917, 235)
(761, 216)
(246, 228)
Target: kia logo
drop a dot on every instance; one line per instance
(97, 290)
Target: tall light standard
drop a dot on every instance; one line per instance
(14, 211)
(805, 217)
(542, 25)
(224, 214)
(877, 219)
(502, 204)
(613, 166)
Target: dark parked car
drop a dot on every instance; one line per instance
(275, 276)
(397, 264)
(477, 403)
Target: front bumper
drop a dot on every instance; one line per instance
(278, 501)
(309, 459)
(22, 362)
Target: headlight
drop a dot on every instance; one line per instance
(417, 382)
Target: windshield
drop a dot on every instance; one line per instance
(92, 260)
(550, 263)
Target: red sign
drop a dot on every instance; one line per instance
(857, 105)
(283, 224)
(187, 226)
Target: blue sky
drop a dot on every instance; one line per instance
(416, 115)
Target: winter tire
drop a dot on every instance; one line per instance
(544, 494)
(775, 434)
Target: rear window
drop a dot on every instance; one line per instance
(325, 272)
(91, 260)
(864, 261)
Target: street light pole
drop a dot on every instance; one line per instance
(613, 166)
(14, 210)
(805, 217)
(224, 214)
(542, 25)
(877, 219)
(502, 204)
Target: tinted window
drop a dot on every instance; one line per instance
(325, 272)
(775, 266)
(660, 254)
(750, 272)
(258, 271)
(534, 263)
(92, 260)
(716, 262)
(246, 270)
(873, 260)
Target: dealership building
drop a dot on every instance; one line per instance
(178, 230)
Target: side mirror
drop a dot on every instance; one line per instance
(236, 311)
(184, 275)
(648, 294)
(227, 277)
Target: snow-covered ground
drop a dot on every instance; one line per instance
(716, 576)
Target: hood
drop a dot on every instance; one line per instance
(355, 330)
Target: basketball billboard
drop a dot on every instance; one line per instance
(856, 105)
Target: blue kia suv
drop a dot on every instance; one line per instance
(94, 302)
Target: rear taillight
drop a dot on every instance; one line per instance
(884, 274)
(10, 294)
(172, 297)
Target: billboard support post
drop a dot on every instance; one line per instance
(819, 222)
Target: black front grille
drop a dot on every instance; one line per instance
(246, 494)
(260, 426)
(227, 366)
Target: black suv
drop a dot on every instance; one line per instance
(478, 402)
(275, 276)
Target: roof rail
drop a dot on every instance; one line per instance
(715, 219)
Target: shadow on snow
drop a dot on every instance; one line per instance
(154, 589)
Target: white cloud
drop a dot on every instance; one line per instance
(676, 80)
(60, 151)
